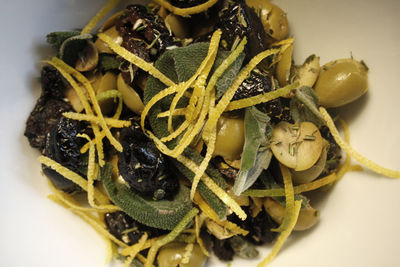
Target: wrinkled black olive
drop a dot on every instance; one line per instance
(223, 249)
(258, 83)
(128, 230)
(144, 34)
(258, 227)
(239, 20)
(48, 108)
(63, 146)
(143, 166)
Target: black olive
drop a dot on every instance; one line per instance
(258, 227)
(223, 249)
(48, 109)
(128, 230)
(239, 20)
(143, 166)
(52, 83)
(144, 34)
(63, 146)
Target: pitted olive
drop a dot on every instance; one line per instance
(310, 174)
(307, 74)
(341, 82)
(102, 47)
(88, 58)
(297, 146)
(308, 216)
(230, 138)
(273, 18)
(284, 64)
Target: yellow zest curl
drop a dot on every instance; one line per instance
(99, 16)
(283, 236)
(354, 154)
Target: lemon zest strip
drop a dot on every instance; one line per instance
(186, 11)
(93, 119)
(354, 154)
(74, 177)
(99, 16)
(198, 238)
(226, 98)
(204, 207)
(133, 253)
(92, 96)
(177, 112)
(218, 191)
(149, 242)
(262, 98)
(170, 236)
(283, 236)
(289, 197)
(144, 65)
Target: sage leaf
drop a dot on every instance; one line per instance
(179, 65)
(56, 39)
(225, 81)
(254, 160)
(162, 214)
(108, 62)
(70, 49)
(304, 106)
(270, 183)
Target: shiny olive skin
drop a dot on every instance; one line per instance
(308, 216)
(143, 166)
(171, 255)
(272, 17)
(230, 138)
(341, 82)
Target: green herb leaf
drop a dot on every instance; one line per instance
(304, 106)
(179, 65)
(162, 214)
(254, 160)
(243, 248)
(227, 78)
(57, 38)
(108, 62)
(71, 48)
(270, 183)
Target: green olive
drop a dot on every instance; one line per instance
(172, 254)
(230, 138)
(310, 174)
(307, 74)
(284, 65)
(217, 230)
(130, 96)
(297, 146)
(341, 82)
(102, 47)
(308, 216)
(177, 25)
(273, 18)
(73, 98)
(108, 81)
(89, 59)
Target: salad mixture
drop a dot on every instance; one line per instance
(190, 130)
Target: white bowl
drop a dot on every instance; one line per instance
(359, 218)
